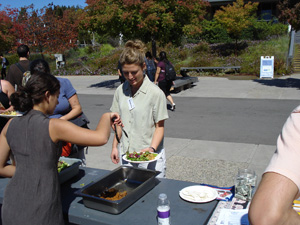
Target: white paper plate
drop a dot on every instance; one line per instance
(198, 194)
(127, 160)
(10, 116)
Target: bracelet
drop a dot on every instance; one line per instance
(154, 150)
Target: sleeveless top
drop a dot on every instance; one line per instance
(33, 194)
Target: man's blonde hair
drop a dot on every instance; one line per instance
(133, 53)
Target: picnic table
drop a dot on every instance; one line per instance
(142, 211)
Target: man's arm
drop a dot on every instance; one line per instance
(272, 202)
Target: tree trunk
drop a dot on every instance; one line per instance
(153, 46)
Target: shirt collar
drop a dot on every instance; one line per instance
(143, 88)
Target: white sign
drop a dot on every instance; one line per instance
(267, 67)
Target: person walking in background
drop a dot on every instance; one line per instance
(120, 73)
(16, 71)
(142, 106)
(3, 66)
(32, 195)
(163, 84)
(151, 68)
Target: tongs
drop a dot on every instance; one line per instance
(117, 137)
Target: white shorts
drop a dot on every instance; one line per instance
(158, 165)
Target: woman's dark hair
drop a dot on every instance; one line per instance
(148, 55)
(163, 56)
(34, 91)
(39, 65)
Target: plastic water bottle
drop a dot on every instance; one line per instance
(163, 210)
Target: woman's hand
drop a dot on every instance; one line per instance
(116, 119)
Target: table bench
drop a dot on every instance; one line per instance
(182, 83)
(184, 70)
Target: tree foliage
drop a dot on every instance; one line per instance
(236, 17)
(164, 20)
(290, 12)
(49, 31)
(8, 28)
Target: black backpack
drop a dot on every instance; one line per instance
(6, 62)
(170, 74)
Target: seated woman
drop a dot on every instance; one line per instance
(68, 107)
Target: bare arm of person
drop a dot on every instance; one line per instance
(76, 108)
(157, 74)
(115, 152)
(8, 89)
(61, 130)
(272, 202)
(6, 170)
(157, 136)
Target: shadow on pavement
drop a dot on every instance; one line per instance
(282, 83)
(108, 84)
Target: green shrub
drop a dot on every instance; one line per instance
(213, 32)
(262, 30)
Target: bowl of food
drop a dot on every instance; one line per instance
(119, 189)
(67, 168)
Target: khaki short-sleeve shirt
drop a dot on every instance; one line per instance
(139, 114)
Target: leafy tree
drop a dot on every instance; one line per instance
(46, 31)
(236, 17)
(8, 28)
(161, 20)
(290, 12)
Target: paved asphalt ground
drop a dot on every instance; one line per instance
(219, 125)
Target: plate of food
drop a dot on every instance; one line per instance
(10, 114)
(198, 194)
(140, 157)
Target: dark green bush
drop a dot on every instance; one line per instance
(213, 32)
(263, 30)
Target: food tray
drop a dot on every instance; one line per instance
(136, 181)
(69, 172)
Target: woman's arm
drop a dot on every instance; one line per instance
(61, 130)
(157, 136)
(157, 74)
(8, 89)
(76, 108)
(6, 170)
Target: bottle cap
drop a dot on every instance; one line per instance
(162, 196)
